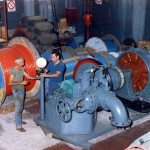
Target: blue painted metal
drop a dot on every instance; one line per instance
(110, 46)
(68, 116)
(67, 86)
(46, 55)
(75, 126)
(73, 44)
(100, 58)
(107, 43)
(42, 109)
(102, 47)
(105, 59)
(112, 43)
(76, 42)
(127, 91)
(1, 78)
(2, 86)
(12, 18)
(69, 65)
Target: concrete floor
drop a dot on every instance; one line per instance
(36, 139)
(33, 139)
(115, 140)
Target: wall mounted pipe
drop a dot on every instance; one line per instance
(18, 46)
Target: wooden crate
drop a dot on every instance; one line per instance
(144, 44)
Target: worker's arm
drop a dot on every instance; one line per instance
(11, 82)
(55, 75)
(30, 77)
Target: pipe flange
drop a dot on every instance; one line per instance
(121, 125)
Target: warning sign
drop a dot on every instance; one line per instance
(98, 2)
(11, 5)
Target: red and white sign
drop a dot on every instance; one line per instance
(98, 2)
(11, 5)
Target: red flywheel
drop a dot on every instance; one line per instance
(139, 70)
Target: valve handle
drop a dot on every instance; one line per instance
(79, 106)
(63, 111)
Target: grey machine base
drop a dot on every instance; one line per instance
(103, 126)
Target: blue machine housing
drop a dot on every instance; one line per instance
(136, 73)
(76, 125)
(71, 111)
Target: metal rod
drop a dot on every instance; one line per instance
(42, 111)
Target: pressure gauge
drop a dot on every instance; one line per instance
(41, 62)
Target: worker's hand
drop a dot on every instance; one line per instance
(38, 68)
(43, 75)
(37, 78)
(25, 82)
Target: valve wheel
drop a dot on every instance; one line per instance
(139, 70)
(63, 111)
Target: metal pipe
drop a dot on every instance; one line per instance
(42, 109)
(119, 113)
(109, 101)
